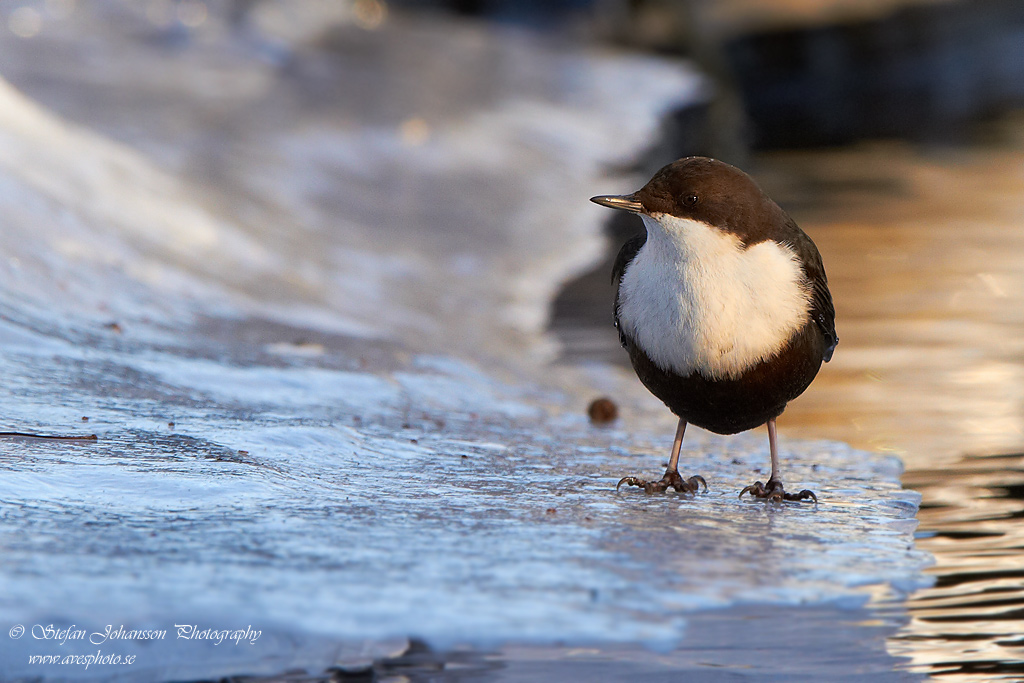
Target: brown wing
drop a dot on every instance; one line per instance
(822, 310)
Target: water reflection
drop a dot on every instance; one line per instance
(971, 623)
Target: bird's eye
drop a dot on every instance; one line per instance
(690, 200)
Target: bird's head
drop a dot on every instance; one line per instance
(706, 191)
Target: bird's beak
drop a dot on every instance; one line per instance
(626, 202)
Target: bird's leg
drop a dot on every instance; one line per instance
(672, 478)
(773, 490)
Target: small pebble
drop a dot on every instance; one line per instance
(602, 411)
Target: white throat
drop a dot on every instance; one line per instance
(696, 300)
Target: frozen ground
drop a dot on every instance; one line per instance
(297, 282)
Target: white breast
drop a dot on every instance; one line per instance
(694, 299)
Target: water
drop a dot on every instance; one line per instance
(297, 281)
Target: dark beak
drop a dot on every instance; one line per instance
(626, 202)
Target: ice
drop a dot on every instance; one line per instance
(312, 345)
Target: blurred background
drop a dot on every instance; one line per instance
(891, 130)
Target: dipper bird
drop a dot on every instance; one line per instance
(723, 306)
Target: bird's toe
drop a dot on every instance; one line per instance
(774, 492)
(756, 489)
(694, 483)
(803, 495)
(672, 479)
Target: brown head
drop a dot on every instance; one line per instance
(711, 192)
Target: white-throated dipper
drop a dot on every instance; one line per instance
(723, 306)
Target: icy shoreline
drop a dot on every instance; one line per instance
(313, 351)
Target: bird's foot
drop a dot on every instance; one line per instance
(671, 480)
(773, 491)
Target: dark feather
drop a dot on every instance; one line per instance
(727, 406)
(626, 255)
(825, 316)
(823, 313)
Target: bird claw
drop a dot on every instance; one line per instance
(773, 492)
(672, 479)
